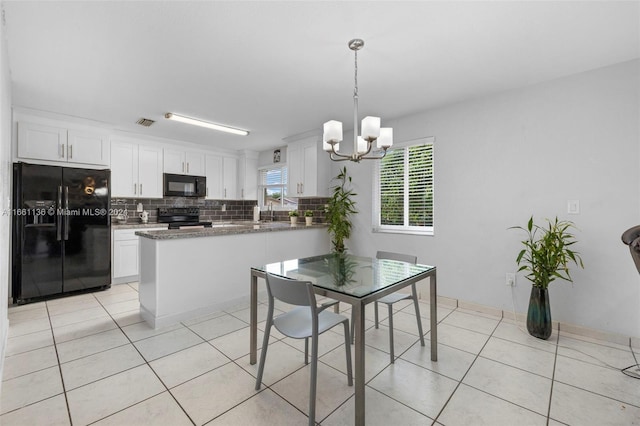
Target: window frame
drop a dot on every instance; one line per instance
(283, 186)
(376, 214)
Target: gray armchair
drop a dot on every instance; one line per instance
(631, 237)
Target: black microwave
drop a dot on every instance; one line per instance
(184, 186)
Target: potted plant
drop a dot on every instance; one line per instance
(293, 215)
(546, 255)
(308, 217)
(338, 211)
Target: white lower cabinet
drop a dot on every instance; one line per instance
(125, 255)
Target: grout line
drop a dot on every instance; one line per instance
(55, 346)
(466, 372)
(152, 370)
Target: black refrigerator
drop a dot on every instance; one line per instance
(61, 239)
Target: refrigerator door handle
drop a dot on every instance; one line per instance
(58, 217)
(66, 213)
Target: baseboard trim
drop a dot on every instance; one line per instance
(562, 327)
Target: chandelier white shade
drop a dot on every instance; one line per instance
(207, 124)
(370, 129)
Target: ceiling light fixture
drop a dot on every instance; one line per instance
(208, 125)
(371, 131)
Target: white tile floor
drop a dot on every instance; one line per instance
(90, 359)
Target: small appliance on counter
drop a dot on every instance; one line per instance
(144, 216)
(181, 217)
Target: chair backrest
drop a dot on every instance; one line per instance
(397, 256)
(293, 292)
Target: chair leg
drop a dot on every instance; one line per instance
(391, 333)
(263, 353)
(314, 379)
(347, 348)
(306, 350)
(417, 306)
(353, 328)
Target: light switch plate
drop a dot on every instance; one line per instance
(573, 206)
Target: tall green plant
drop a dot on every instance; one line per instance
(547, 252)
(339, 210)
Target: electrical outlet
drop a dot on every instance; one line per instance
(510, 279)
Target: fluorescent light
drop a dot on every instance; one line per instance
(208, 125)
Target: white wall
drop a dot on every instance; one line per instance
(502, 158)
(5, 191)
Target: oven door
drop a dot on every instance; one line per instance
(183, 185)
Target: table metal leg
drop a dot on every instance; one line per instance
(434, 318)
(253, 323)
(358, 311)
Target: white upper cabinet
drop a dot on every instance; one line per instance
(87, 147)
(42, 142)
(214, 176)
(248, 175)
(230, 178)
(150, 171)
(308, 168)
(195, 163)
(184, 162)
(222, 176)
(136, 170)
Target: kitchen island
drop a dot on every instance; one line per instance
(185, 273)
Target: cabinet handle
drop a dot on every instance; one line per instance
(140, 189)
(301, 187)
(187, 167)
(207, 191)
(242, 192)
(63, 151)
(225, 193)
(60, 153)
(183, 167)
(70, 151)
(135, 189)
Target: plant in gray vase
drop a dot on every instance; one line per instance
(339, 210)
(547, 254)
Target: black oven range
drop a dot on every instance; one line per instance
(181, 217)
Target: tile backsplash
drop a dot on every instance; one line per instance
(216, 210)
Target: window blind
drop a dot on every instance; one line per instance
(406, 188)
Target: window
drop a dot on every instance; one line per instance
(273, 188)
(404, 189)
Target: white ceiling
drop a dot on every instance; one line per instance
(283, 68)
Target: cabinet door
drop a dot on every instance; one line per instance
(124, 169)
(87, 148)
(309, 184)
(230, 178)
(195, 163)
(174, 162)
(41, 142)
(295, 164)
(248, 177)
(149, 172)
(214, 174)
(125, 258)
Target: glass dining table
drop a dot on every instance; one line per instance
(354, 280)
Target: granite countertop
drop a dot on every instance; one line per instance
(137, 225)
(227, 228)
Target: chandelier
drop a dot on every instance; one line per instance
(371, 131)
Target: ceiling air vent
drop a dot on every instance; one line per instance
(146, 122)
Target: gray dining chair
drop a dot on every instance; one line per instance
(305, 321)
(392, 298)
